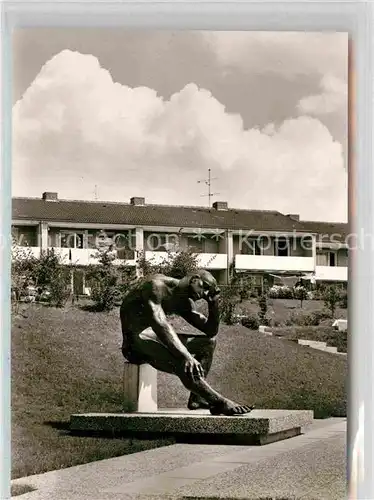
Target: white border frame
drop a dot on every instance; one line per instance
(349, 16)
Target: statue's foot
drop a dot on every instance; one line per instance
(231, 409)
(197, 403)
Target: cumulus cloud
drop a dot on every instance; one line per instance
(333, 98)
(290, 54)
(74, 128)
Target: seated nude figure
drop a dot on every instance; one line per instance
(148, 337)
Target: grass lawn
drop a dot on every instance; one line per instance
(69, 361)
(280, 310)
(269, 372)
(326, 334)
(63, 362)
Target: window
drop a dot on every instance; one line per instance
(252, 246)
(332, 259)
(325, 258)
(282, 247)
(25, 236)
(91, 240)
(195, 244)
(71, 240)
(162, 242)
(321, 258)
(104, 239)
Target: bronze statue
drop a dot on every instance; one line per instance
(148, 337)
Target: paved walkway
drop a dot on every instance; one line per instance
(308, 467)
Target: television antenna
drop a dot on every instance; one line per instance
(208, 182)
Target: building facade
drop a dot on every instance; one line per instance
(248, 241)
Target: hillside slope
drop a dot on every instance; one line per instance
(68, 361)
(269, 372)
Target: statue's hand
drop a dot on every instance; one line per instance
(193, 368)
(213, 295)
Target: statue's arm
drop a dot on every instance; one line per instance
(163, 329)
(208, 325)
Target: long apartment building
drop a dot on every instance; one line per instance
(258, 242)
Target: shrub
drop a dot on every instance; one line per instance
(319, 316)
(280, 292)
(251, 322)
(311, 319)
(108, 282)
(50, 274)
(22, 266)
(273, 292)
(47, 274)
(246, 287)
(244, 294)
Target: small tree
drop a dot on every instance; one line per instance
(179, 264)
(147, 267)
(332, 297)
(344, 299)
(176, 264)
(263, 304)
(231, 296)
(300, 293)
(107, 280)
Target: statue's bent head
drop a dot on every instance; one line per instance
(201, 284)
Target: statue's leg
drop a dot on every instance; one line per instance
(202, 348)
(147, 346)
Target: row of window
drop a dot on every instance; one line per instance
(280, 247)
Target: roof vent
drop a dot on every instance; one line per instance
(49, 196)
(220, 205)
(138, 201)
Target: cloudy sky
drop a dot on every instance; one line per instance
(148, 113)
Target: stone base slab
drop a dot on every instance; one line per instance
(258, 427)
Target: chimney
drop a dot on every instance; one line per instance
(138, 201)
(295, 217)
(48, 196)
(220, 205)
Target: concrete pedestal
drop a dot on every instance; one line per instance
(140, 387)
(258, 427)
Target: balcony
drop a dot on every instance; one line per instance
(86, 256)
(76, 256)
(331, 273)
(205, 260)
(273, 263)
(34, 251)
